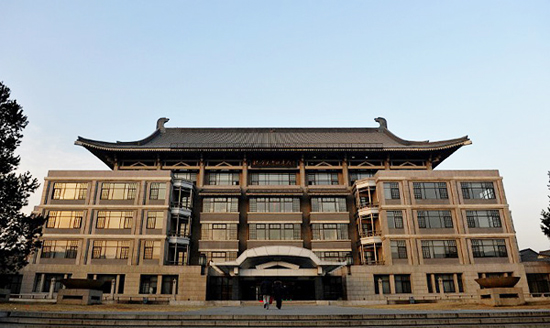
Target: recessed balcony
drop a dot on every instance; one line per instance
(370, 237)
(366, 211)
(179, 240)
(180, 211)
(182, 183)
(365, 184)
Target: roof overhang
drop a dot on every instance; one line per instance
(277, 261)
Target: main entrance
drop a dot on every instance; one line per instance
(305, 276)
(295, 288)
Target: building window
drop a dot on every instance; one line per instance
(219, 231)
(438, 249)
(42, 281)
(272, 179)
(167, 282)
(391, 190)
(274, 205)
(151, 250)
(110, 249)
(64, 219)
(148, 284)
(114, 220)
(489, 248)
(70, 190)
(333, 256)
(157, 191)
(430, 190)
(155, 220)
(483, 219)
(322, 178)
(220, 256)
(447, 281)
(220, 205)
(478, 190)
(538, 283)
(222, 179)
(59, 249)
(398, 249)
(328, 204)
(434, 219)
(384, 280)
(107, 281)
(275, 231)
(189, 176)
(12, 282)
(118, 191)
(395, 219)
(402, 283)
(329, 231)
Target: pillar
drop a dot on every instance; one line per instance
(319, 292)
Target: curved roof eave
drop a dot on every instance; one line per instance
(442, 145)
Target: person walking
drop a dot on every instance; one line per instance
(265, 290)
(278, 293)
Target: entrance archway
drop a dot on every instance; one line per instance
(305, 275)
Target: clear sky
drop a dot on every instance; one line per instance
(435, 70)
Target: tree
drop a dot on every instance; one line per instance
(19, 233)
(545, 220)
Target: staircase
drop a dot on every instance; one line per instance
(435, 319)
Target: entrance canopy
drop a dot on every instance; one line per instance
(277, 261)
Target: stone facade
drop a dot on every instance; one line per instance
(364, 215)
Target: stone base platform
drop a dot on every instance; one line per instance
(79, 296)
(501, 296)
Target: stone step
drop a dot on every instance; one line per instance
(108, 320)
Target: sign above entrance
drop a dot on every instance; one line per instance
(257, 163)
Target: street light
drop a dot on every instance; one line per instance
(202, 263)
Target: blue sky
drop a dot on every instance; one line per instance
(434, 69)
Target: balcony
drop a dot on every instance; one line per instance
(180, 211)
(182, 183)
(365, 184)
(370, 237)
(178, 239)
(366, 211)
(374, 262)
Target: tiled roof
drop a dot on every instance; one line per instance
(272, 138)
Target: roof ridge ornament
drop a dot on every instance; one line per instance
(160, 124)
(383, 123)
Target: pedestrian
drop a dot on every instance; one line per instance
(265, 290)
(278, 293)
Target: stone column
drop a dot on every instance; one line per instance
(174, 288)
(441, 289)
(380, 286)
(52, 287)
(345, 172)
(235, 292)
(113, 284)
(319, 292)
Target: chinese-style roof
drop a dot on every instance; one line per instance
(197, 139)
(177, 141)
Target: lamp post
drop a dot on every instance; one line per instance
(202, 263)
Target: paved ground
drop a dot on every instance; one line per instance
(289, 309)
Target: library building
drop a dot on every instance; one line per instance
(199, 214)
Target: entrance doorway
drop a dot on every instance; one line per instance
(300, 288)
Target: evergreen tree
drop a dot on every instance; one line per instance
(18, 232)
(545, 220)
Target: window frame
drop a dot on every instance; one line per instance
(118, 191)
(430, 190)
